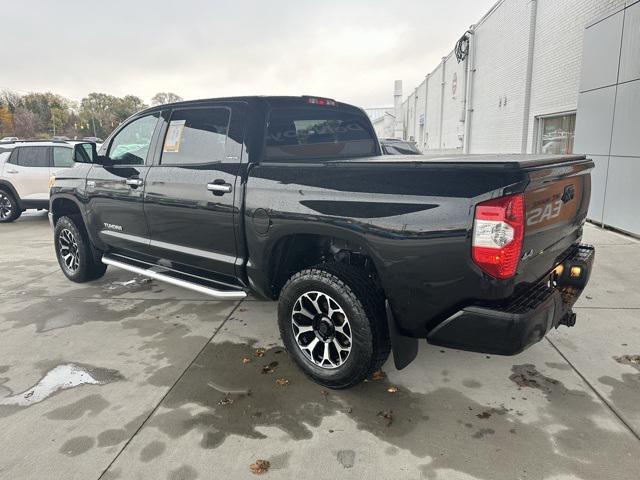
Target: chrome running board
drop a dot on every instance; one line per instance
(220, 294)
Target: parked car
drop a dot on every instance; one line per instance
(8, 139)
(92, 139)
(289, 198)
(395, 146)
(25, 171)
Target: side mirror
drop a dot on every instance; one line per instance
(85, 153)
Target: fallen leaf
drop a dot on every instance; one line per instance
(388, 416)
(225, 401)
(259, 352)
(246, 360)
(29, 395)
(260, 467)
(270, 367)
(379, 375)
(283, 382)
(392, 389)
(324, 393)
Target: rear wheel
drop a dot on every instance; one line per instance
(74, 252)
(332, 322)
(9, 210)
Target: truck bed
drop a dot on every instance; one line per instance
(503, 161)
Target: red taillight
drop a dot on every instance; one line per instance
(498, 230)
(321, 101)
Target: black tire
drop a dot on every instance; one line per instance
(363, 305)
(76, 257)
(9, 210)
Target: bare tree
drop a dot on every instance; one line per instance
(25, 122)
(165, 97)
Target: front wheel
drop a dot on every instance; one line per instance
(332, 322)
(9, 209)
(74, 252)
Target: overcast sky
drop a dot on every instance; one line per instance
(351, 50)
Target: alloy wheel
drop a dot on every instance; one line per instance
(321, 329)
(6, 207)
(68, 248)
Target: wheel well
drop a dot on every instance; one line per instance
(7, 187)
(62, 207)
(297, 252)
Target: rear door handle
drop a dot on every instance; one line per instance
(219, 187)
(134, 182)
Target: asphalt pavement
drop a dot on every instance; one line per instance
(128, 378)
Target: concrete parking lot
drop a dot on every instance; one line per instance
(124, 378)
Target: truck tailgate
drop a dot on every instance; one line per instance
(556, 203)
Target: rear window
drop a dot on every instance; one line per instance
(316, 133)
(33, 156)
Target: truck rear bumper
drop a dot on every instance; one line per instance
(524, 319)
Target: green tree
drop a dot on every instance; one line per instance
(126, 106)
(59, 117)
(97, 116)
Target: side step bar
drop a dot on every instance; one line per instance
(220, 294)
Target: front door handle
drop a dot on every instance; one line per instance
(134, 182)
(219, 187)
(12, 171)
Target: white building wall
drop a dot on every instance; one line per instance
(558, 55)
(420, 114)
(434, 97)
(453, 105)
(502, 43)
(501, 53)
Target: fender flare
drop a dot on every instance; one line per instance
(5, 185)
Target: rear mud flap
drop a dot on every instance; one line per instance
(405, 349)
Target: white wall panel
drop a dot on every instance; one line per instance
(630, 57)
(601, 53)
(598, 183)
(594, 121)
(623, 195)
(626, 124)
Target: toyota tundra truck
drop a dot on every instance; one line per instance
(290, 199)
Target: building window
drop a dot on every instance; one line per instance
(555, 134)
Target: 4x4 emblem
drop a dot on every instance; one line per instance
(569, 194)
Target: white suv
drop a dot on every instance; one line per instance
(25, 170)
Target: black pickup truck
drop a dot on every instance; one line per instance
(290, 198)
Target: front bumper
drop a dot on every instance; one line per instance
(524, 319)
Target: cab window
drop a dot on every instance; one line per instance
(131, 145)
(196, 136)
(62, 157)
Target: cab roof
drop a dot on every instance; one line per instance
(267, 100)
